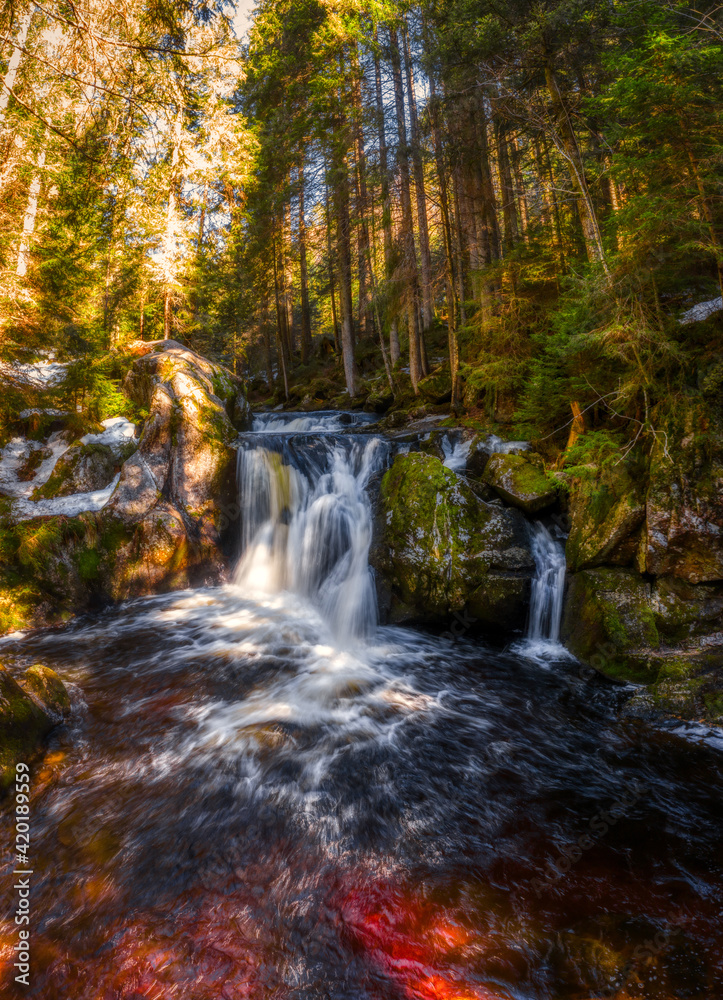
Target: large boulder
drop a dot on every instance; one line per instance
(520, 482)
(608, 615)
(440, 550)
(171, 520)
(606, 516)
(683, 533)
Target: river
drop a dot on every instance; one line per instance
(263, 793)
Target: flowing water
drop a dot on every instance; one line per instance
(261, 793)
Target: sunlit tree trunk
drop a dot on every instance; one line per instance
(170, 242)
(31, 213)
(332, 284)
(305, 309)
(425, 255)
(281, 349)
(394, 351)
(14, 63)
(449, 276)
(365, 319)
(568, 147)
(409, 248)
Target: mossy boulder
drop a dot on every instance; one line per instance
(683, 611)
(46, 686)
(520, 482)
(683, 534)
(24, 724)
(608, 615)
(440, 549)
(606, 515)
(437, 387)
(81, 469)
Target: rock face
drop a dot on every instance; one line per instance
(440, 550)
(519, 482)
(645, 601)
(605, 523)
(170, 519)
(28, 713)
(684, 515)
(82, 468)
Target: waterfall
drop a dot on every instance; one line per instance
(306, 517)
(548, 585)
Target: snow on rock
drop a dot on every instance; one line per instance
(70, 506)
(47, 412)
(14, 456)
(118, 433)
(701, 311)
(42, 374)
(17, 452)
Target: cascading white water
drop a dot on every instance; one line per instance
(306, 517)
(548, 585)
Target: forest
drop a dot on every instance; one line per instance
(361, 499)
(506, 208)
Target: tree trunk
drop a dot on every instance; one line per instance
(280, 323)
(394, 350)
(425, 255)
(345, 294)
(31, 213)
(14, 63)
(567, 145)
(341, 143)
(448, 253)
(305, 310)
(409, 248)
(365, 316)
(507, 188)
(332, 288)
(520, 186)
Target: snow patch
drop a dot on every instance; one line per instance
(42, 374)
(701, 311)
(17, 452)
(118, 432)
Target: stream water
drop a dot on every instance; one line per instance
(262, 793)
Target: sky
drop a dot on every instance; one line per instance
(241, 17)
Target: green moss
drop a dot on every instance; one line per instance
(609, 619)
(520, 482)
(439, 542)
(44, 683)
(23, 726)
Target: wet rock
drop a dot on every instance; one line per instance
(520, 482)
(684, 516)
(605, 522)
(23, 725)
(44, 684)
(440, 549)
(608, 614)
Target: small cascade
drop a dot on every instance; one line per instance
(548, 586)
(306, 518)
